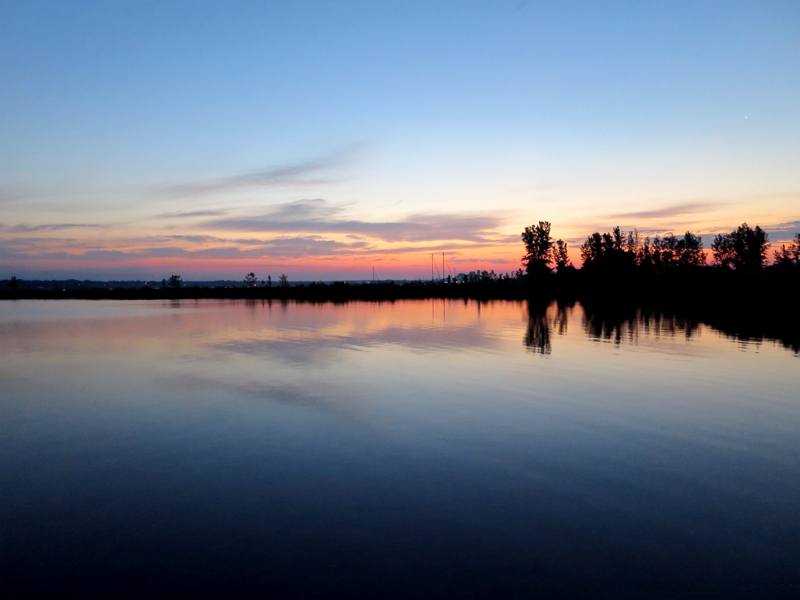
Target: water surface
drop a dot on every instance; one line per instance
(416, 448)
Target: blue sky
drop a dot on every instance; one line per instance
(586, 114)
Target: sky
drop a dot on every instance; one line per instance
(327, 139)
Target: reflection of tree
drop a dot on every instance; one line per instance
(626, 322)
(662, 323)
(537, 334)
(610, 323)
(618, 322)
(562, 316)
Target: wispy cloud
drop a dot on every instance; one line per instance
(197, 239)
(313, 172)
(9, 196)
(49, 227)
(190, 214)
(789, 227)
(283, 248)
(675, 210)
(783, 231)
(310, 228)
(319, 216)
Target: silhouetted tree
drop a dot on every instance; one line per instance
(609, 253)
(250, 280)
(284, 279)
(690, 250)
(13, 283)
(175, 281)
(670, 252)
(789, 257)
(592, 249)
(269, 280)
(632, 241)
(644, 256)
(742, 248)
(561, 257)
(163, 283)
(665, 252)
(538, 247)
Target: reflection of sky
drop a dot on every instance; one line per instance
(329, 140)
(278, 346)
(364, 430)
(434, 363)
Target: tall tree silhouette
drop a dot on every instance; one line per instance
(175, 281)
(538, 247)
(561, 257)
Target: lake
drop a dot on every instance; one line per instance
(406, 449)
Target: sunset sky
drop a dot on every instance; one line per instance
(322, 139)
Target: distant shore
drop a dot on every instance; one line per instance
(685, 287)
(763, 304)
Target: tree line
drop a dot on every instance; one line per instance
(250, 280)
(613, 252)
(744, 248)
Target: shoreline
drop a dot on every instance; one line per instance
(751, 306)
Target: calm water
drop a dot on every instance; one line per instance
(424, 448)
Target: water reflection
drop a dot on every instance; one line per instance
(537, 333)
(308, 333)
(407, 449)
(621, 323)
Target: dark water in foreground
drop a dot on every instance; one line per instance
(411, 449)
